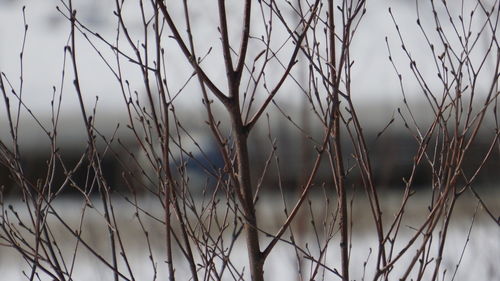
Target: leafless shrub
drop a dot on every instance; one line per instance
(276, 49)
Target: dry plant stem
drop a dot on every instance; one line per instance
(443, 235)
(221, 142)
(240, 135)
(309, 184)
(192, 59)
(93, 155)
(167, 182)
(339, 173)
(240, 130)
(244, 184)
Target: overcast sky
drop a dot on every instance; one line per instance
(374, 80)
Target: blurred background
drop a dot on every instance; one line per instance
(377, 95)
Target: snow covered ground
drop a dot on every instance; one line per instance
(479, 262)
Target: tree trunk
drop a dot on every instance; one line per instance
(244, 184)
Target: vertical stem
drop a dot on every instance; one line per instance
(166, 177)
(340, 186)
(93, 155)
(168, 237)
(167, 186)
(339, 166)
(240, 134)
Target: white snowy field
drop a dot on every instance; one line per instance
(477, 253)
